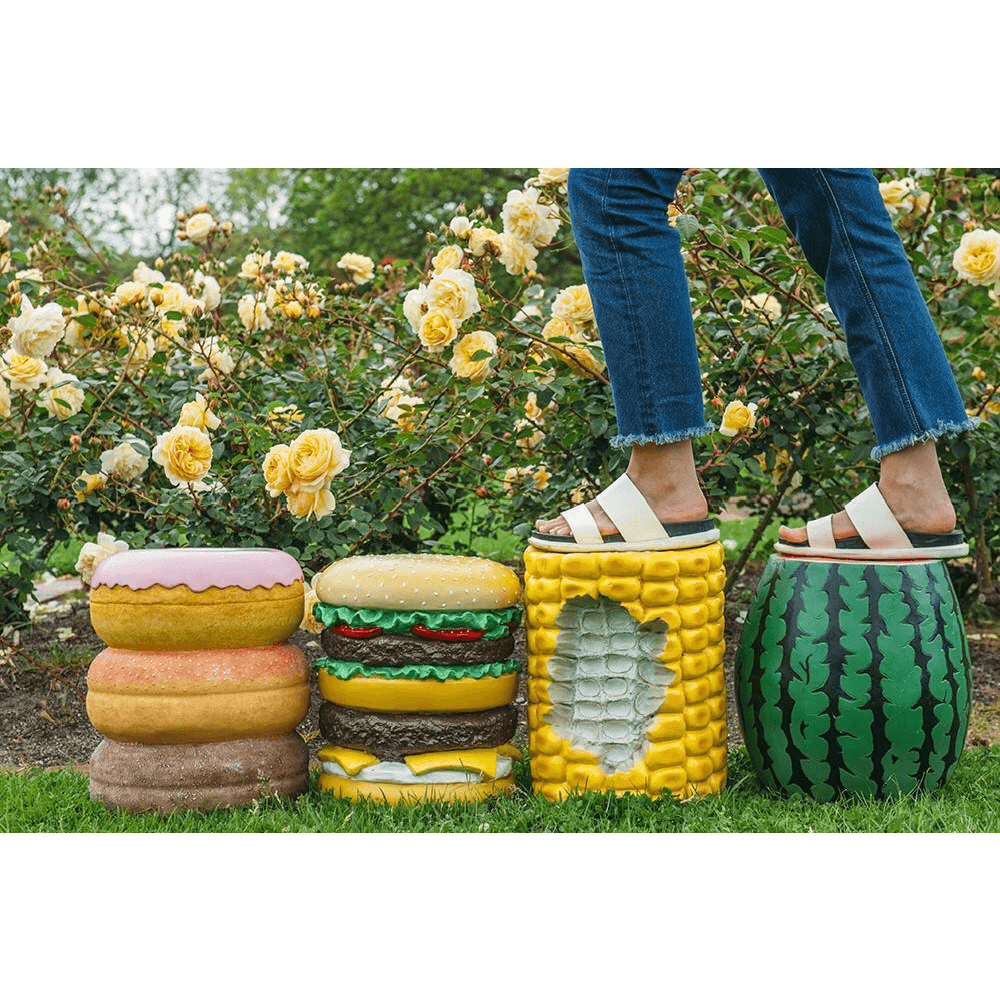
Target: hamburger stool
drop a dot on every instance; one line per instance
(853, 676)
(419, 677)
(198, 693)
(626, 690)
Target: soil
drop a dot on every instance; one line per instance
(43, 682)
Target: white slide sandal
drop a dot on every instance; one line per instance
(879, 536)
(639, 529)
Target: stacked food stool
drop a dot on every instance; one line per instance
(626, 689)
(199, 692)
(853, 676)
(419, 677)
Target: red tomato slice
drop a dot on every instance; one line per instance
(350, 632)
(448, 634)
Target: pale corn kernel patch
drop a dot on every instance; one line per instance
(685, 739)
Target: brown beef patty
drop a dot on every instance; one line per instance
(400, 650)
(394, 735)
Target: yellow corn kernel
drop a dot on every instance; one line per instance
(697, 716)
(585, 565)
(621, 563)
(699, 742)
(660, 566)
(717, 755)
(541, 641)
(548, 768)
(585, 777)
(673, 701)
(537, 588)
(666, 755)
(619, 588)
(694, 640)
(674, 779)
(545, 741)
(666, 727)
(693, 615)
(658, 594)
(694, 664)
(699, 768)
(695, 690)
(692, 590)
(573, 587)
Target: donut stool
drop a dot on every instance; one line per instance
(626, 690)
(853, 677)
(198, 692)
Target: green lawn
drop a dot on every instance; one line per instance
(57, 801)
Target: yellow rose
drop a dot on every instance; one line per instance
(573, 305)
(277, 473)
(140, 348)
(199, 226)
(358, 266)
(448, 257)
(738, 417)
(214, 354)
(516, 256)
(462, 363)
(453, 292)
(461, 226)
(37, 331)
(124, 461)
(282, 417)
(94, 553)
(895, 194)
(185, 453)
(400, 410)
(89, 483)
(287, 262)
(553, 175)
(315, 457)
(529, 220)
(978, 374)
(580, 359)
(977, 258)
(310, 503)
(482, 240)
(63, 397)
(763, 303)
(130, 293)
(22, 372)
(557, 327)
(253, 313)
(254, 265)
(437, 330)
(197, 414)
(309, 622)
(4, 400)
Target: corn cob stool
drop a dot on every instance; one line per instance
(853, 677)
(626, 690)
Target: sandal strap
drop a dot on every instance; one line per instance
(583, 526)
(628, 510)
(875, 522)
(819, 533)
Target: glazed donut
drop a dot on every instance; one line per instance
(190, 598)
(162, 778)
(197, 696)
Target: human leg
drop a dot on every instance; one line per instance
(633, 268)
(846, 234)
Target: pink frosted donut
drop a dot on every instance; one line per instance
(195, 598)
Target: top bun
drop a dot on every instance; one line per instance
(418, 582)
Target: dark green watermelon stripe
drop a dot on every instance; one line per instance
(949, 621)
(875, 593)
(754, 731)
(832, 688)
(922, 662)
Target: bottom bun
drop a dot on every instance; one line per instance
(415, 793)
(165, 777)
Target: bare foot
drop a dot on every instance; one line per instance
(910, 481)
(666, 477)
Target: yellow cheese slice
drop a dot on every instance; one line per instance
(483, 761)
(351, 761)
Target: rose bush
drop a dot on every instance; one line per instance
(221, 398)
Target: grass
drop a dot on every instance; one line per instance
(58, 802)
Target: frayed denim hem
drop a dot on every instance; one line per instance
(944, 428)
(668, 437)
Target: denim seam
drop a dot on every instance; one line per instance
(943, 428)
(641, 363)
(869, 299)
(667, 437)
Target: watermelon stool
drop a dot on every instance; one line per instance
(626, 688)
(853, 677)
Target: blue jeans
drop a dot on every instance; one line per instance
(633, 268)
